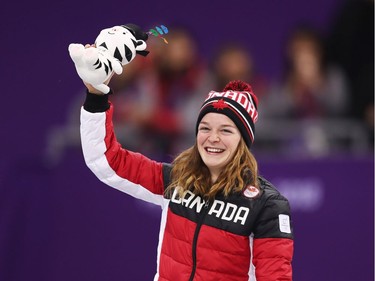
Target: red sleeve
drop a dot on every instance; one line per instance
(272, 259)
(129, 172)
(273, 241)
(132, 166)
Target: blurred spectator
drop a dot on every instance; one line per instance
(309, 106)
(161, 95)
(310, 88)
(351, 46)
(233, 61)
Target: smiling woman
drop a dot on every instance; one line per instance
(217, 141)
(225, 132)
(220, 219)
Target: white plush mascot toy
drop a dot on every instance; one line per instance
(115, 47)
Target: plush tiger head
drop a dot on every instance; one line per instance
(123, 42)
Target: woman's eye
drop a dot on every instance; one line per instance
(226, 131)
(203, 129)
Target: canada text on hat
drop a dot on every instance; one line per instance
(243, 98)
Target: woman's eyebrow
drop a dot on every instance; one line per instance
(228, 125)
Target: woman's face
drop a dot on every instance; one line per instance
(217, 140)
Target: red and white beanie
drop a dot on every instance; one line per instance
(239, 103)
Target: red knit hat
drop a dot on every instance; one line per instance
(239, 103)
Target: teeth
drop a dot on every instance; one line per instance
(214, 150)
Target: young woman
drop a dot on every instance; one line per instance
(220, 219)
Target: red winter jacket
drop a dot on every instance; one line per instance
(242, 237)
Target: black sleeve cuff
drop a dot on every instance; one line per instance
(96, 103)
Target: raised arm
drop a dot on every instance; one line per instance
(126, 171)
(130, 172)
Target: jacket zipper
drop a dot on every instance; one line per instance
(195, 239)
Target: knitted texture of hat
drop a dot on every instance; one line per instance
(238, 85)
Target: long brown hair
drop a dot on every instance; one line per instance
(190, 173)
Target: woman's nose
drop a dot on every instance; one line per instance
(214, 137)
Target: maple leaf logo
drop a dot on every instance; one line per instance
(220, 104)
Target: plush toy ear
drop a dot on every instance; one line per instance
(140, 45)
(141, 48)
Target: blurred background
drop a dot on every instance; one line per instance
(311, 63)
